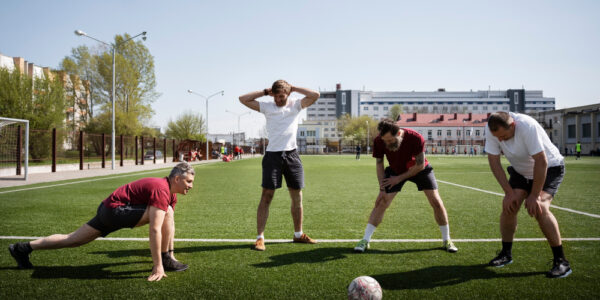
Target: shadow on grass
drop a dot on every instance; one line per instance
(320, 255)
(145, 252)
(97, 271)
(437, 276)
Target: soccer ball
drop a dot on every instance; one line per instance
(363, 288)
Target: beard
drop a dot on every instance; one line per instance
(395, 145)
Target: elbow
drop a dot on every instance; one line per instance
(241, 99)
(317, 95)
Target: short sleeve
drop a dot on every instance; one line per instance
(160, 199)
(491, 143)
(298, 105)
(378, 148)
(262, 106)
(533, 136)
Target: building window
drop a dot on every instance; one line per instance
(439, 133)
(385, 108)
(343, 98)
(495, 108)
(429, 133)
(475, 108)
(326, 129)
(376, 108)
(571, 131)
(301, 133)
(484, 108)
(468, 132)
(516, 94)
(448, 132)
(586, 130)
(477, 133)
(365, 108)
(458, 132)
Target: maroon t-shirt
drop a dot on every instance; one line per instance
(150, 191)
(402, 159)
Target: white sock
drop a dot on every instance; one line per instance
(369, 232)
(445, 229)
(298, 234)
(262, 236)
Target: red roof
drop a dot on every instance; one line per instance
(442, 120)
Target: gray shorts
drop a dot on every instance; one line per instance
(108, 220)
(425, 180)
(554, 177)
(276, 165)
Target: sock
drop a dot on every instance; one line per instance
(507, 248)
(298, 234)
(24, 247)
(262, 236)
(558, 253)
(165, 255)
(445, 230)
(369, 232)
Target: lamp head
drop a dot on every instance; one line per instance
(189, 91)
(79, 32)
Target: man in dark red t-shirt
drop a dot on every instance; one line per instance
(144, 201)
(404, 149)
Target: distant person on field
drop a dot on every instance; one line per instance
(357, 151)
(281, 157)
(144, 201)
(578, 149)
(404, 149)
(536, 171)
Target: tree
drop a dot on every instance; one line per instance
(187, 126)
(135, 82)
(40, 100)
(355, 128)
(395, 111)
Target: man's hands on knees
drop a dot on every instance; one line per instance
(533, 205)
(510, 203)
(157, 273)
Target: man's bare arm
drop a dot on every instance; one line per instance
(418, 167)
(250, 99)
(311, 96)
(496, 167)
(380, 172)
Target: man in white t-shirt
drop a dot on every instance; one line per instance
(281, 157)
(536, 171)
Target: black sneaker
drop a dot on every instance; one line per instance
(22, 257)
(560, 268)
(169, 264)
(501, 260)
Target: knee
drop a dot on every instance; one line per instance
(267, 196)
(436, 203)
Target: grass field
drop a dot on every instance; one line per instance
(338, 198)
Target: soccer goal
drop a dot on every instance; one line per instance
(14, 148)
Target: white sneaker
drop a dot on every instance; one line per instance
(362, 246)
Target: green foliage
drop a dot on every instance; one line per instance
(187, 126)
(395, 111)
(39, 100)
(355, 128)
(135, 83)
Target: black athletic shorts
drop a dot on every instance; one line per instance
(282, 163)
(108, 220)
(554, 177)
(425, 180)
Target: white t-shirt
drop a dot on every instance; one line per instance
(282, 124)
(530, 138)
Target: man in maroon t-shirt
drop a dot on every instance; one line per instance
(404, 149)
(144, 201)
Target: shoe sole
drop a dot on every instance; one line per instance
(358, 250)
(502, 265)
(563, 275)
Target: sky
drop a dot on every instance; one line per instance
(243, 46)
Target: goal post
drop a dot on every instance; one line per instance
(14, 147)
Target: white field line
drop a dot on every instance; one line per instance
(81, 181)
(502, 195)
(320, 241)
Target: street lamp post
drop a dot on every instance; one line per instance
(367, 138)
(113, 47)
(238, 116)
(206, 99)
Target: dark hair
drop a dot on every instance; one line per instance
(387, 125)
(281, 86)
(497, 120)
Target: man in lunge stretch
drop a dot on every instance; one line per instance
(145, 201)
(404, 149)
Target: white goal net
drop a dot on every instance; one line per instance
(14, 148)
